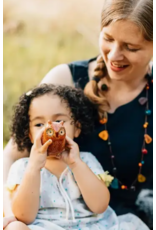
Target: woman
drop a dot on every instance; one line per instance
(124, 94)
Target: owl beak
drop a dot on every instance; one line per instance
(49, 122)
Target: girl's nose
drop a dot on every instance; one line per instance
(115, 53)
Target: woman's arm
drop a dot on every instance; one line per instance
(59, 75)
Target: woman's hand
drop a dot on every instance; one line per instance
(38, 155)
(8, 220)
(71, 156)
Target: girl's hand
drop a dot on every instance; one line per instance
(8, 220)
(71, 156)
(38, 155)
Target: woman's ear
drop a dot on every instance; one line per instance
(77, 129)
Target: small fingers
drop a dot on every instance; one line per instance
(45, 146)
(38, 138)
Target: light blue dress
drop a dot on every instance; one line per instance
(62, 206)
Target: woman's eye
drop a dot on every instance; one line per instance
(108, 39)
(39, 125)
(131, 50)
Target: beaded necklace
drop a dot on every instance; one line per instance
(117, 183)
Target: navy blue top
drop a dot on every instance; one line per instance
(125, 127)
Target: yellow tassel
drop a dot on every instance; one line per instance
(106, 178)
(141, 178)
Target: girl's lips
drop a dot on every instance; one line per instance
(117, 69)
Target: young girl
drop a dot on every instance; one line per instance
(63, 193)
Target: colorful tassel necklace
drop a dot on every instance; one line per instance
(104, 135)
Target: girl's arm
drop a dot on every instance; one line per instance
(25, 203)
(94, 191)
(10, 155)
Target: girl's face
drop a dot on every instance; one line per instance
(50, 107)
(125, 51)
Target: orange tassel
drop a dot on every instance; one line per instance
(103, 121)
(145, 125)
(148, 139)
(104, 135)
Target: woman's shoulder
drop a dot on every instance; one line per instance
(69, 74)
(60, 74)
(80, 71)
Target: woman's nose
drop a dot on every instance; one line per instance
(115, 53)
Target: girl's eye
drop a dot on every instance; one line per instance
(59, 121)
(39, 125)
(62, 132)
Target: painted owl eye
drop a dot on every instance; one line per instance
(62, 132)
(50, 132)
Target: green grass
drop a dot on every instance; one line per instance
(29, 56)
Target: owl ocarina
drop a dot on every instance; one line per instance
(57, 133)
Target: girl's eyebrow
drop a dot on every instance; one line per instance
(54, 115)
(60, 114)
(36, 118)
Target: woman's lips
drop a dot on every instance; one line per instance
(118, 68)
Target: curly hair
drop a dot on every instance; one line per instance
(82, 110)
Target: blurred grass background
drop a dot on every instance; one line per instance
(40, 34)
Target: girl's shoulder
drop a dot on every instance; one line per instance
(16, 173)
(20, 164)
(92, 162)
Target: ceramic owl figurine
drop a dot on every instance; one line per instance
(57, 133)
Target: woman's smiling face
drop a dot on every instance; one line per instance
(125, 51)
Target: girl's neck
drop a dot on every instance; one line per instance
(55, 166)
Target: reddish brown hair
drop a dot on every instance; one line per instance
(138, 11)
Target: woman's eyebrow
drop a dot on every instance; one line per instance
(128, 43)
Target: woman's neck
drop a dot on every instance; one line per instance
(127, 86)
(122, 92)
